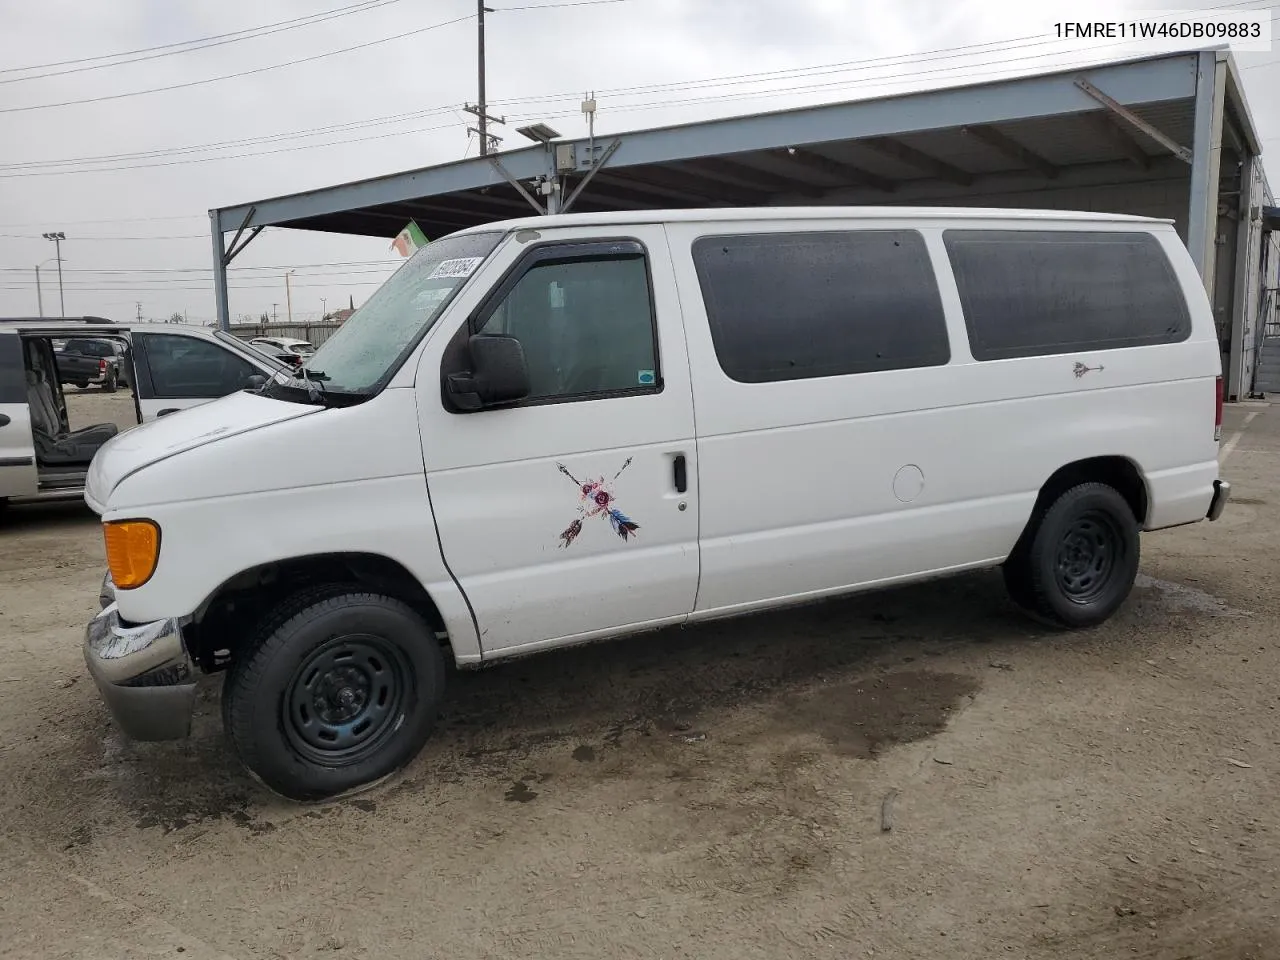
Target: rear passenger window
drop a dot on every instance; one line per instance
(788, 306)
(1034, 293)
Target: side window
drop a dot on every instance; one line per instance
(1034, 293)
(189, 367)
(789, 306)
(586, 324)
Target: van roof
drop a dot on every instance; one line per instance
(714, 214)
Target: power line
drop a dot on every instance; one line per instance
(729, 81)
(241, 142)
(241, 73)
(230, 156)
(287, 63)
(189, 46)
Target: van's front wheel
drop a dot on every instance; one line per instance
(1078, 559)
(338, 690)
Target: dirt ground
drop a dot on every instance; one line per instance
(717, 792)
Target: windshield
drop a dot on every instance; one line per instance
(371, 344)
(89, 348)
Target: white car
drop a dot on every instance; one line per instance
(553, 430)
(285, 349)
(174, 366)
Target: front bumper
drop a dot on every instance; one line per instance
(142, 672)
(1221, 494)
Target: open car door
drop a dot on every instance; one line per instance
(17, 450)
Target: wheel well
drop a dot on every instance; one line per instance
(1117, 472)
(225, 621)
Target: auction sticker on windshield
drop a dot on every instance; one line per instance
(461, 267)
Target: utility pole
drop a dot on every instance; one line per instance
(274, 318)
(488, 142)
(57, 238)
(322, 308)
(39, 293)
(288, 295)
(139, 303)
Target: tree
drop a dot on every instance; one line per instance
(175, 317)
(265, 318)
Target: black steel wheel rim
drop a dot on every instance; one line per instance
(1089, 554)
(346, 699)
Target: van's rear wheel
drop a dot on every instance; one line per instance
(339, 689)
(1077, 561)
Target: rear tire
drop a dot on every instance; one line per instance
(1076, 562)
(109, 385)
(338, 689)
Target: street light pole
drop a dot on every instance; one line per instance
(288, 295)
(39, 292)
(322, 308)
(57, 237)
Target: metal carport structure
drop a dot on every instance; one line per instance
(1166, 136)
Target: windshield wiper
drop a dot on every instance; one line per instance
(315, 387)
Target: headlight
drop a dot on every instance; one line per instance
(133, 549)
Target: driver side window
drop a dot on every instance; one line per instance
(586, 326)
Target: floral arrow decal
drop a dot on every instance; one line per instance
(596, 499)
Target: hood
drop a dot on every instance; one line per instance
(128, 452)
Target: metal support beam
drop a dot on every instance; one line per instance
(1202, 217)
(221, 311)
(1011, 148)
(896, 150)
(655, 191)
(243, 223)
(1124, 113)
(1246, 271)
(705, 187)
(845, 174)
(236, 251)
(604, 158)
(497, 165)
(634, 196)
(1121, 140)
(749, 178)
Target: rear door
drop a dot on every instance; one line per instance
(17, 453)
(176, 371)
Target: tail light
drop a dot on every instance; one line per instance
(102, 366)
(1217, 416)
(293, 359)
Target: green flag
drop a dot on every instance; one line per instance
(409, 239)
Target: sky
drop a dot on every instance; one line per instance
(130, 177)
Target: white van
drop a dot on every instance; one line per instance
(558, 429)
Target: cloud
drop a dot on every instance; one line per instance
(540, 64)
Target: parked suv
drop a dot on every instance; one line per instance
(548, 431)
(173, 367)
(285, 349)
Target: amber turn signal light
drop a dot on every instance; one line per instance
(133, 549)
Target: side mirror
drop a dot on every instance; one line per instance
(255, 381)
(498, 374)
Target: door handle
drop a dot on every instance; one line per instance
(681, 473)
(168, 410)
(4, 419)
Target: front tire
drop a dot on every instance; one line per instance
(1078, 559)
(335, 692)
